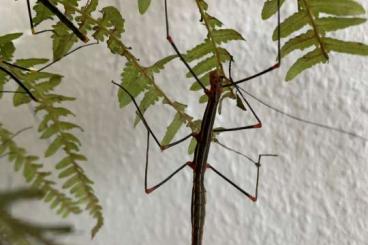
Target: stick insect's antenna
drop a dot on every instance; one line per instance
(302, 120)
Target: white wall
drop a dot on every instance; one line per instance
(314, 193)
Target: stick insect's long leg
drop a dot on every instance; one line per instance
(258, 165)
(275, 66)
(61, 17)
(19, 83)
(162, 147)
(27, 91)
(151, 189)
(257, 125)
(171, 41)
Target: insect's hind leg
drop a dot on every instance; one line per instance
(271, 68)
(257, 164)
(147, 189)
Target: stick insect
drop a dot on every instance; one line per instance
(204, 137)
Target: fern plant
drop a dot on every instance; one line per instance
(106, 24)
(16, 231)
(315, 19)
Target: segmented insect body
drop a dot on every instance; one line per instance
(199, 164)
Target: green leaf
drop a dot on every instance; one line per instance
(203, 99)
(21, 98)
(160, 65)
(9, 37)
(226, 35)
(7, 47)
(78, 157)
(192, 146)
(210, 63)
(67, 172)
(64, 162)
(312, 58)
(71, 182)
(270, 8)
(42, 13)
(143, 5)
(27, 63)
(149, 99)
(172, 129)
(68, 125)
(345, 47)
(134, 81)
(54, 146)
(110, 23)
(213, 22)
(336, 23)
(336, 7)
(199, 51)
(291, 24)
(63, 40)
(301, 42)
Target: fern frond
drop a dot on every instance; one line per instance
(59, 130)
(321, 17)
(33, 175)
(16, 231)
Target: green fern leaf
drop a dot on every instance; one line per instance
(336, 7)
(333, 23)
(42, 13)
(291, 24)
(67, 172)
(310, 59)
(346, 47)
(205, 79)
(28, 63)
(62, 40)
(133, 81)
(160, 65)
(173, 128)
(270, 8)
(199, 51)
(192, 146)
(301, 42)
(111, 23)
(66, 161)
(20, 98)
(54, 146)
(143, 5)
(7, 47)
(210, 63)
(213, 22)
(149, 99)
(226, 35)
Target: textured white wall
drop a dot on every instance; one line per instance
(314, 193)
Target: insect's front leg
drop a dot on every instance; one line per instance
(61, 17)
(271, 68)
